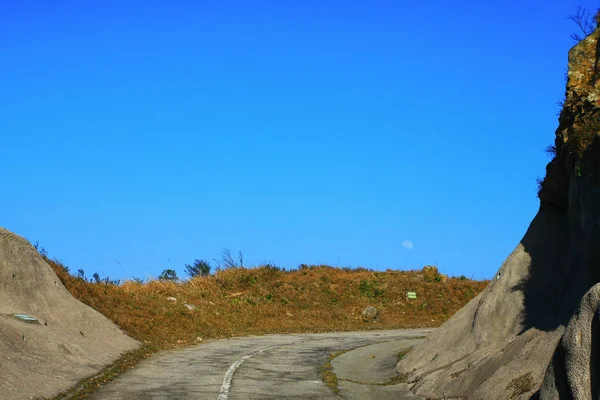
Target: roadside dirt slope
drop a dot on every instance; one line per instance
(70, 340)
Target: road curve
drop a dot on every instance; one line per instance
(269, 367)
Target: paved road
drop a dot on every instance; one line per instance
(270, 367)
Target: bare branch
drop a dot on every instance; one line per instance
(228, 260)
(585, 21)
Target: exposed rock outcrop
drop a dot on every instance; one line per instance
(500, 344)
(573, 371)
(68, 342)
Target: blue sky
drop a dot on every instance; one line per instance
(138, 136)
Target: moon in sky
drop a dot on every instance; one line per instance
(407, 244)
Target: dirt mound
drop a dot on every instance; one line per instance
(500, 344)
(69, 340)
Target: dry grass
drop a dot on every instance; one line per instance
(241, 301)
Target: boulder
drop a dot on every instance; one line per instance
(370, 313)
(64, 342)
(429, 272)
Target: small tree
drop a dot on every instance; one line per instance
(168, 275)
(198, 268)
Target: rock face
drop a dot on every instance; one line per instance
(69, 342)
(500, 344)
(572, 373)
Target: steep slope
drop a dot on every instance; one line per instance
(68, 342)
(573, 371)
(500, 344)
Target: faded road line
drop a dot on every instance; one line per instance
(224, 393)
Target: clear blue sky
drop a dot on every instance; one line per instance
(138, 136)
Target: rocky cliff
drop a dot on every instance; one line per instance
(499, 346)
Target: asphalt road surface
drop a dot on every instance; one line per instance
(271, 367)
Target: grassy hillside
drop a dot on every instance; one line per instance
(243, 301)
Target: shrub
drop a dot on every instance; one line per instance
(81, 274)
(199, 268)
(270, 266)
(168, 275)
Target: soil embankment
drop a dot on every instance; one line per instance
(66, 342)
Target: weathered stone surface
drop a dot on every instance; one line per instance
(71, 340)
(504, 332)
(500, 344)
(573, 371)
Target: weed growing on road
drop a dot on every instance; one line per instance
(328, 376)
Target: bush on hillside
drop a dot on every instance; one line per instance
(198, 268)
(168, 275)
